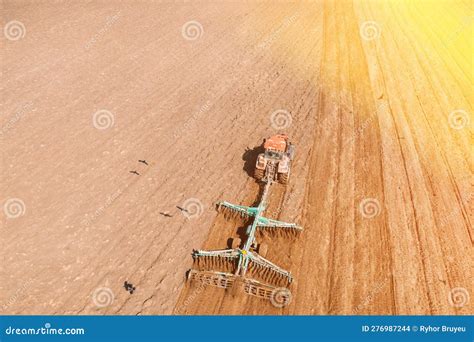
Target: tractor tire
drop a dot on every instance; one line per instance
(236, 243)
(283, 177)
(259, 174)
(291, 151)
(262, 250)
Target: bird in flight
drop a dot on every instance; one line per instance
(135, 172)
(143, 161)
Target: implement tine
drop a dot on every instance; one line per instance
(214, 263)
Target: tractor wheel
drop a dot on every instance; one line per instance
(291, 151)
(235, 243)
(263, 249)
(283, 177)
(259, 174)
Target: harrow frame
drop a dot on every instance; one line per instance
(247, 259)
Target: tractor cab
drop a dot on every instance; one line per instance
(270, 154)
(276, 143)
(274, 163)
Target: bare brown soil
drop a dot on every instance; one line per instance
(370, 120)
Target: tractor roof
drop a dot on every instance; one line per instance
(276, 142)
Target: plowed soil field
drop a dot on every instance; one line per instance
(376, 95)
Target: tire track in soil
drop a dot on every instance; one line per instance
(210, 300)
(445, 273)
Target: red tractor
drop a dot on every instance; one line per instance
(275, 163)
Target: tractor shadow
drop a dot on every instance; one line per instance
(243, 226)
(241, 234)
(250, 159)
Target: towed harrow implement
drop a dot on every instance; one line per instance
(247, 264)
